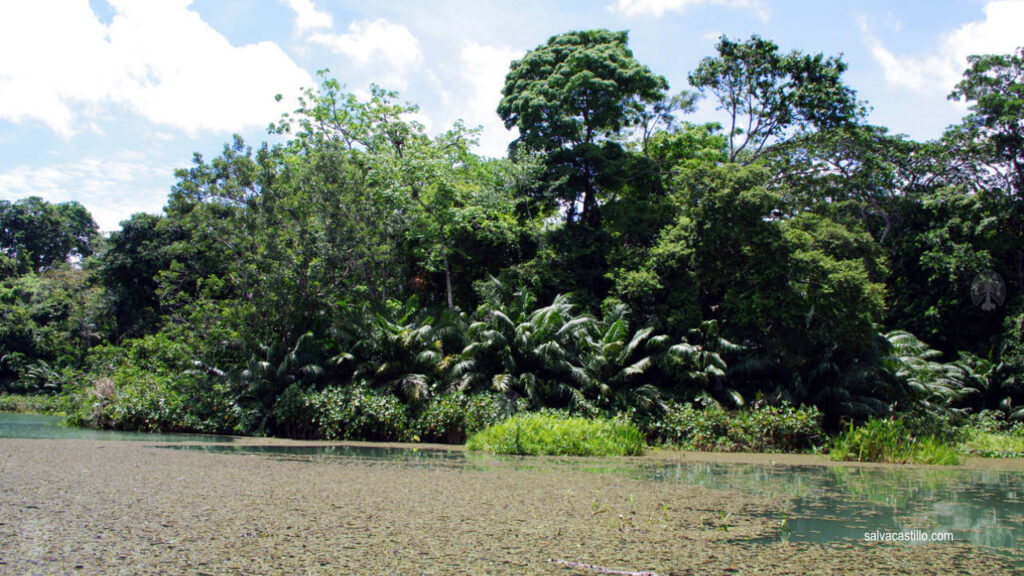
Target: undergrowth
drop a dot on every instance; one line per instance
(555, 434)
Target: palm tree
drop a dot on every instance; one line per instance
(623, 365)
(932, 385)
(525, 353)
(268, 371)
(404, 354)
(702, 372)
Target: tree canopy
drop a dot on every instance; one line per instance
(365, 277)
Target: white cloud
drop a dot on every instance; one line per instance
(998, 33)
(308, 17)
(387, 46)
(657, 8)
(98, 183)
(483, 69)
(159, 59)
(49, 63)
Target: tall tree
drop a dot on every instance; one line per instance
(416, 177)
(990, 141)
(769, 96)
(873, 173)
(570, 98)
(36, 235)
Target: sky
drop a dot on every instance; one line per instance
(101, 100)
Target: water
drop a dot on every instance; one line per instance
(983, 507)
(52, 427)
(339, 452)
(828, 504)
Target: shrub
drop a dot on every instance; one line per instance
(994, 421)
(889, 440)
(134, 399)
(341, 413)
(762, 429)
(993, 445)
(294, 416)
(453, 417)
(33, 404)
(554, 434)
(142, 385)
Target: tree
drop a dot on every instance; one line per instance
(994, 84)
(769, 96)
(130, 270)
(789, 289)
(416, 178)
(990, 141)
(48, 321)
(524, 351)
(37, 235)
(570, 98)
(874, 173)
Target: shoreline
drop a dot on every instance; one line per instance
(653, 454)
(659, 454)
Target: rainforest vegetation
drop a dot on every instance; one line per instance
(756, 283)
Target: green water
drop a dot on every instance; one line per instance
(52, 427)
(983, 507)
(828, 504)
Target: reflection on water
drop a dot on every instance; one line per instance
(829, 504)
(338, 452)
(983, 507)
(52, 427)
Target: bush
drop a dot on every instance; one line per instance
(762, 429)
(133, 399)
(889, 440)
(453, 417)
(341, 413)
(553, 434)
(988, 434)
(993, 444)
(142, 385)
(294, 416)
(32, 404)
(994, 421)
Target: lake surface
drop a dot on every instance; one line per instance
(52, 427)
(828, 504)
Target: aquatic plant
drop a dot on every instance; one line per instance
(548, 433)
(993, 444)
(785, 530)
(890, 440)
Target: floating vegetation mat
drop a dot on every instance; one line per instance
(87, 507)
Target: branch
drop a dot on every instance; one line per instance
(599, 569)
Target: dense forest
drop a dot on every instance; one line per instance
(362, 278)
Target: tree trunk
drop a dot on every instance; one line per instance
(447, 279)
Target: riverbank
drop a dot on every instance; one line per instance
(90, 507)
(656, 455)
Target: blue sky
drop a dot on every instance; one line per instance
(100, 100)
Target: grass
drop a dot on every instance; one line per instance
(534, 434)
(889, 440)
(34, 404)
(993, 444)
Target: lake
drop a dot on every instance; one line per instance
(981, 510)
